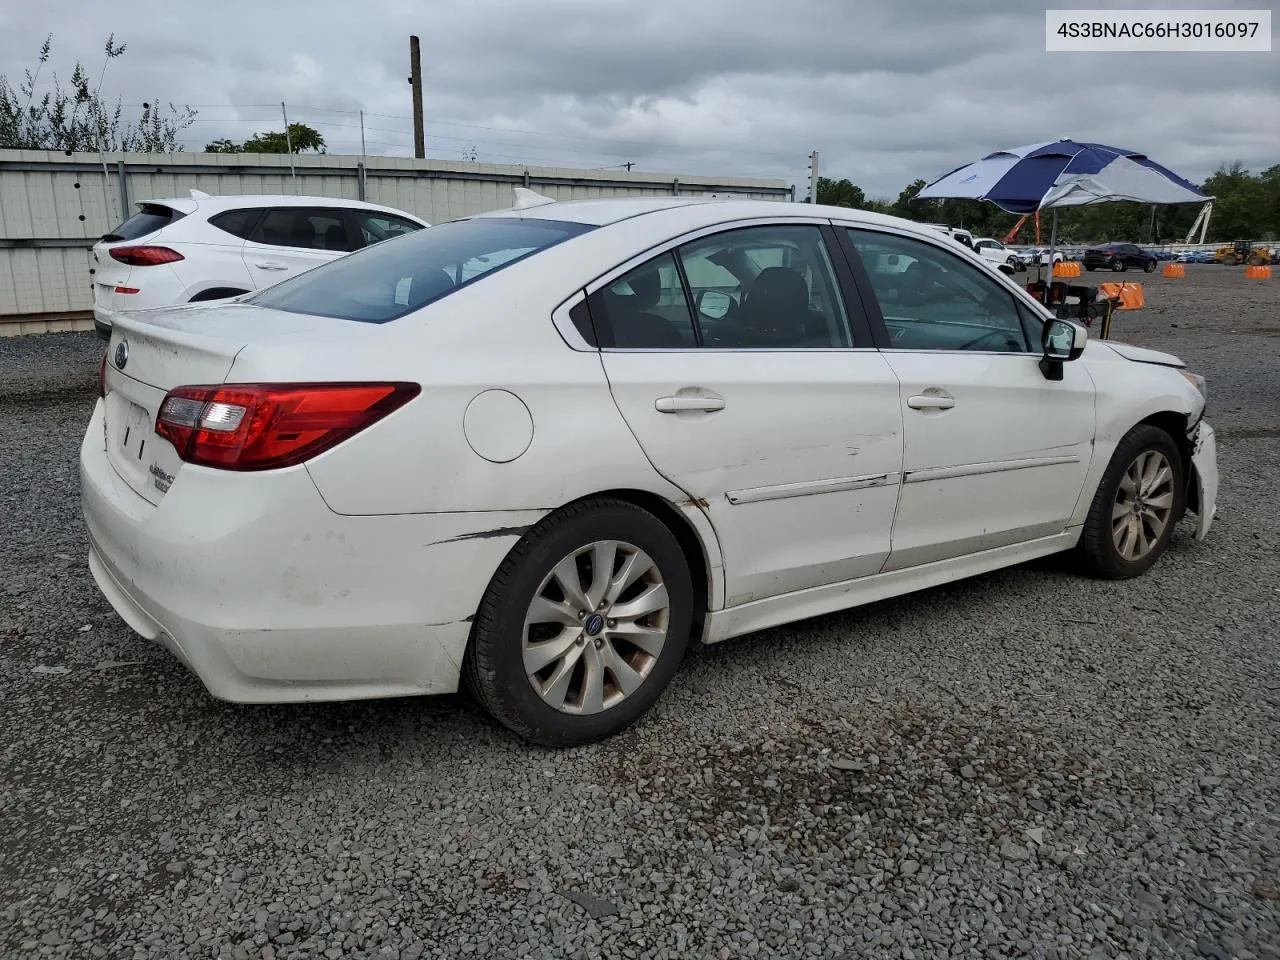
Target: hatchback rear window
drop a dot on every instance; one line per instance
(149, 219)
(397, 276)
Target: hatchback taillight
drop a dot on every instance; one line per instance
(265, 426)
(145, 256)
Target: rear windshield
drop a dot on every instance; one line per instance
(146, 221)
(403, 274)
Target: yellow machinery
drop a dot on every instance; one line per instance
(1242, 251)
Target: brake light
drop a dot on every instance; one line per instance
(144, 256)
(127, 290)
(266, 426)
(102, 375)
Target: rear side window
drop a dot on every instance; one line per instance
(306, 228)
(150, 218)
(238, 223)
(390, 279)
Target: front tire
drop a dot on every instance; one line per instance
(1137, 504)
(1149, 267)
(583, 625)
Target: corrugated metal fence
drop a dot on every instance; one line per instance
(54, 206)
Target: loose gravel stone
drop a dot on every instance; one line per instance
(772, 805)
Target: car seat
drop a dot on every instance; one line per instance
(632, 318)
(776, 312)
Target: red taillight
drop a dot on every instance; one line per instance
(144, 256)
(265, 426)
(127, 290)
(102, 375)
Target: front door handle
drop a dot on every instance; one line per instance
(930, 403)
(269, 265)
(687, 404)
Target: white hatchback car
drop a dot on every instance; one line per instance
(544, 449)
(214, 248)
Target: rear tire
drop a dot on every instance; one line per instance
(1130, 521)
(546, 659)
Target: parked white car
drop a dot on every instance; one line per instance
(545, 449)
(992, 249)
(213, 248)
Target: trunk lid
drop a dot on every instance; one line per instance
(153, 351)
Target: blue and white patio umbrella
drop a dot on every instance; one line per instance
(1063, 173)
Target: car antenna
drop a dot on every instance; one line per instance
(526, 198)
(199, 195)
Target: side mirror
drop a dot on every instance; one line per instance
(1062, 341)
(714, 304)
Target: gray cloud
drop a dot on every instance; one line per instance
(887, 92)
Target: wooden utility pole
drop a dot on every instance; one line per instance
(415, 79)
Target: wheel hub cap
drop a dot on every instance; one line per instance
(1143, 506)
(611, 594)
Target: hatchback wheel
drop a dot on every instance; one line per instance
(1140, 499)
(1117, 265)
(1149, 267)
(583, 626)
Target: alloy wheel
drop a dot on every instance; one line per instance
(596, 627)
(1143, 505)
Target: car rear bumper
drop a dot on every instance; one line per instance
(270, 597)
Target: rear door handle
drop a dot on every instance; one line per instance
(930, 403)
(686, 404)
(269, 265)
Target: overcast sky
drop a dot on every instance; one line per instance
(885, 91)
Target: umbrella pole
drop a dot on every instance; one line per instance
(1053, 240)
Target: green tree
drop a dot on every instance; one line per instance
(80, 118)
(301, 137)
(840, 193)
(906, 207)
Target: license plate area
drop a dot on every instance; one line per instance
(134, 433)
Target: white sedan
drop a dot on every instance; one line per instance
(545, 449)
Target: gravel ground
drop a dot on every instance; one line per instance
(1025, 764)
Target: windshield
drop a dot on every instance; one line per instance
(403, 274)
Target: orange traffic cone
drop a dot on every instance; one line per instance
(1175, 270)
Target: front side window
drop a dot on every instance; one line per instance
(933, 300)
(388, 280)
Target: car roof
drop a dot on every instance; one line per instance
(605, 211)
(211, 204)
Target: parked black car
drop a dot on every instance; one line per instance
(1119, 256)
